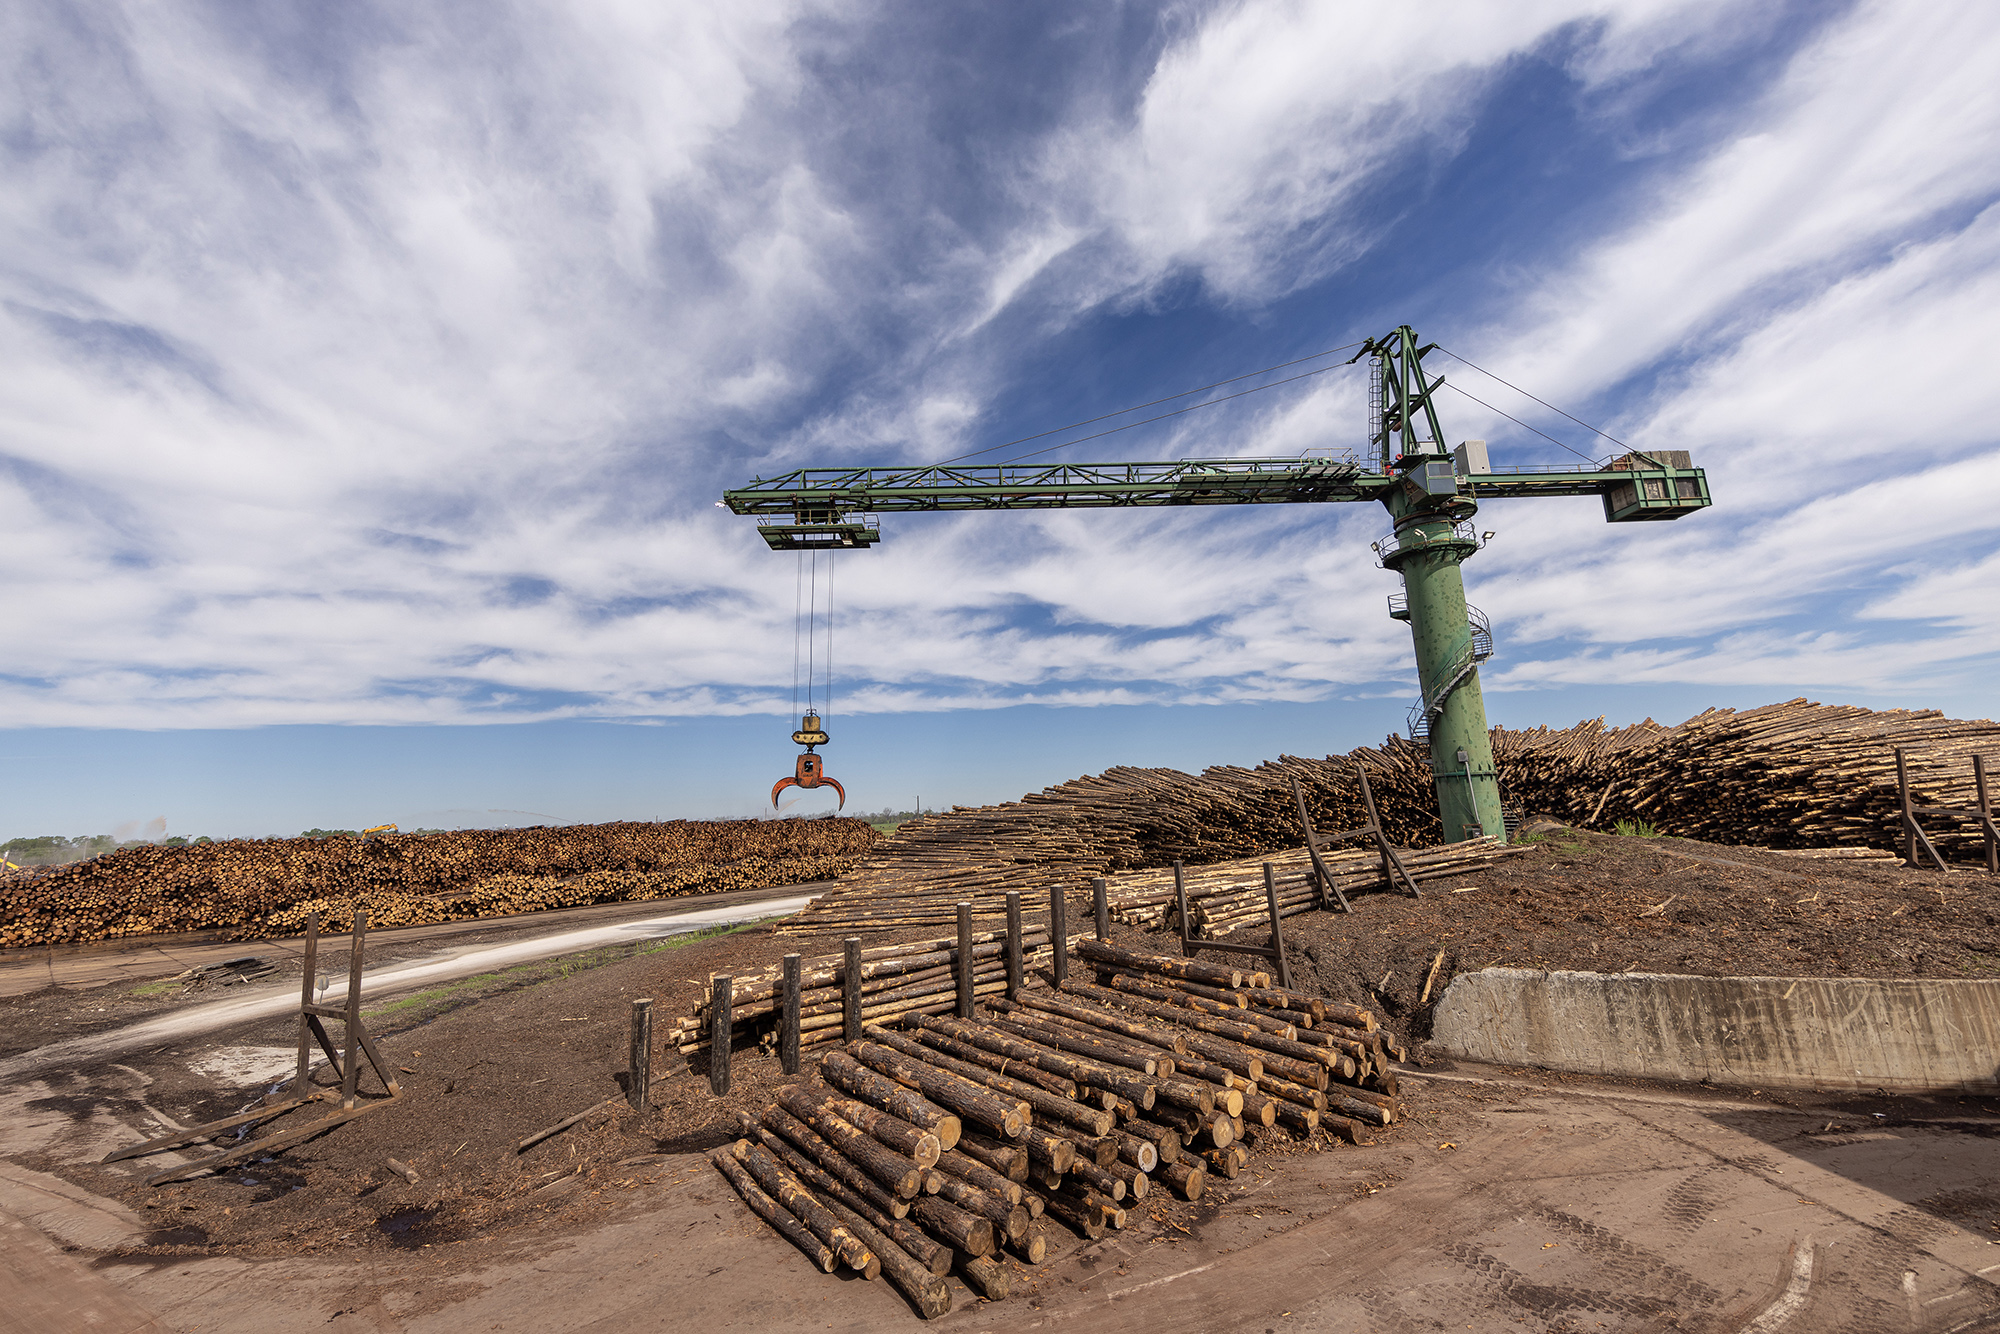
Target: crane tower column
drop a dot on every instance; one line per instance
(1451, 715)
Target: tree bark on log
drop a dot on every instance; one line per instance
(1163, 964)
(768, 1209)
(901, 1175)
(1010, 1161)
(947, 1222)
(789, 1191)
(987, 1277)
(929, 1253)
(1187, 1176)
(945, 1083)
(831, 1160)
(969, 1169)
(843, 1071)
(1041, 1101)
(919, 1282)
(920, 1146)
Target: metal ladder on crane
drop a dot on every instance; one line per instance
(1477, 651)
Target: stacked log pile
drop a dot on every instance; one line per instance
(937, 1146)
(1123, 819)
(253, 888)
(1228, 895)
(915, 977)
(1787, 775)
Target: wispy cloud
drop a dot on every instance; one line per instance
(384, 370)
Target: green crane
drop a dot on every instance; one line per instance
(1430, 492)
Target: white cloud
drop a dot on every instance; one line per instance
(372, 380)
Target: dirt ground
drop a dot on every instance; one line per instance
(482, 1067)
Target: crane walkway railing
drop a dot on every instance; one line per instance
(1478, 650)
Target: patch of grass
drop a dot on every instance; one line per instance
(1637, 829)
(159, 988)
(689, 938)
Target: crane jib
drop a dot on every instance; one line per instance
(1430, 492)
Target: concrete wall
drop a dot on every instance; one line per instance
(1760, 1032)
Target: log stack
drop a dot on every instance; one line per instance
(915, 977)
(1787, 775)
(1228, 895)
(254, 888)
(935, 1145)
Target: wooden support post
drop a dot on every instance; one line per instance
(1100, 892)
(305, 1000)
(1277, 938)
(1013, 944)
(721, 1021)
(1180, 906)
(350, 1067)
(1986, 814)
(639, 1061)
(788, 1020)
(1059, 933)
(850, 991)
(1914, 837)
(963, 961)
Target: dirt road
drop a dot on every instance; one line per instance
(446, 965)
(1525, 1205)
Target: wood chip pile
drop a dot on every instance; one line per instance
(1227, 895)
(1788, 775)
(254, 888)
(943, 1146)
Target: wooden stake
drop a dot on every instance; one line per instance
(1100, 893)
(851, 991)
(788, 1021)
(963, 961)
(718, 1035)
(1014, 977)
(639, 1058)
(1059, 933)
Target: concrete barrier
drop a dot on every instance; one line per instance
(1907, 1034)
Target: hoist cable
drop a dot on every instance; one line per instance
(828, 701)
(1518, 422)
(1525, 394)
(812, 618)
(798, 605)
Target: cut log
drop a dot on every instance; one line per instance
(789, 1191)
(920, 1146)
(970, 1169)
(899, 1173)
(919, 1282)
(947, 1222)
(1165, 965)
(987, 1277)
(810, 1144)
(910, 1105)
(1187, 1176)
(1034, 1248)
(970, 1099)
(1008, 1160)
(781, 1219)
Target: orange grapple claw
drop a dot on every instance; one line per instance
(809, 774)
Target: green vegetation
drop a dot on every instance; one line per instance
(1637, 829)
(159, 988)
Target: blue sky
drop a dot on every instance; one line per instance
(373, 373)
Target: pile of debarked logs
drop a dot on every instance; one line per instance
(944, 1145)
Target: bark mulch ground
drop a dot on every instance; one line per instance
(480, 1077)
